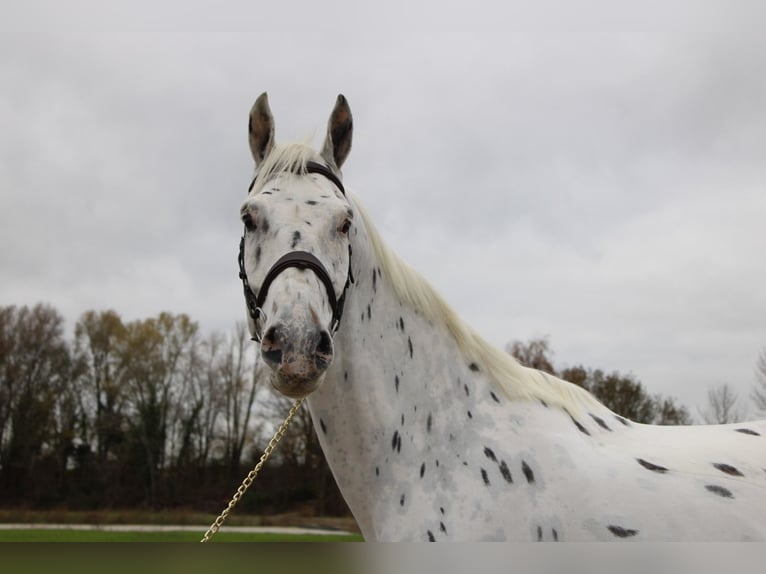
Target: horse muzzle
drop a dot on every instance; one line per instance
(298, 355)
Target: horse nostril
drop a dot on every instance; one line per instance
(271, 350)
(323, 354)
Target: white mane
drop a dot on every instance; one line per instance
(516, 381)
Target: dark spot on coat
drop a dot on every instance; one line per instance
(409, 344)
(377, 471)
(485, 476)
(401, 500)
(474, 367)
(621, 532)
(402, 419)
(600, 422)
(542, 402)
(505, 472)
(399, 444)
(441, 509)
(429, 422)
(431, 537)
(467, 393)
(374, 280)
(719, 490)
(369, 312)
(401, 323)
(470, 416)
(324, 427)
(528, 473)
(555, 535)
(311, 202)
(396, 382)
(651, 466)
(422, 469)
(395, 440)
(345, 375)
(728, 469)
(623, 420)
(748, 431)
(489, 453)
(257, 254)
(539, 533)
(442, 527)
(580, 428)
(494, 396)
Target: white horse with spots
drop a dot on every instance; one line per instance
(433, 434)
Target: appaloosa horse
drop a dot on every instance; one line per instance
(433, 434)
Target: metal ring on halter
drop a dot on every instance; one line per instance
(258, 321)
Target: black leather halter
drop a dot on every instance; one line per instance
(301, 260)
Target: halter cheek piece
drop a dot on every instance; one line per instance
(301, 260)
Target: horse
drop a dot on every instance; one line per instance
(433, 434)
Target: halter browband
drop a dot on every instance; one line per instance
(300, 260)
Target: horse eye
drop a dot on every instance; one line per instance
(345, 226)
(247, 219)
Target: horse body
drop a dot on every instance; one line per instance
(431, 433)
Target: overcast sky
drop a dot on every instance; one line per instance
(594, 172)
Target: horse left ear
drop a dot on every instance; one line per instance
(337, 143)
(261, 129)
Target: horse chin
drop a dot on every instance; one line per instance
(295, 387)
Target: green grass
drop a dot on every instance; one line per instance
(66, 535)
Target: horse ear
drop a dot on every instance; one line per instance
(337, 144)
(261, 129)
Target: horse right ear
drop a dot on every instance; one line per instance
(261, 129)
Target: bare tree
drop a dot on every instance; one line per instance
(237, 379)
(300, 454)
(759, 391)
(202, 404)
(722, 406)
(535, 354)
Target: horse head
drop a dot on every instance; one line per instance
(295, 256)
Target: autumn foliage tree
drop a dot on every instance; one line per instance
(621, 393)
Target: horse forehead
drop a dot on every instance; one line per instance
(292, 197)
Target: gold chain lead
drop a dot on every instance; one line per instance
(253, 473)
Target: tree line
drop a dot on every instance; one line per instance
(626, 396)
(146, 413)
(152, 413)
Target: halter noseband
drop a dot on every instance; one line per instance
(300, 260)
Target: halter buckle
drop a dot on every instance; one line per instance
(259, 320)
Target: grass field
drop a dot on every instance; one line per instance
(68, 535)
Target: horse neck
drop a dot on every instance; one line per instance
(400, 393)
